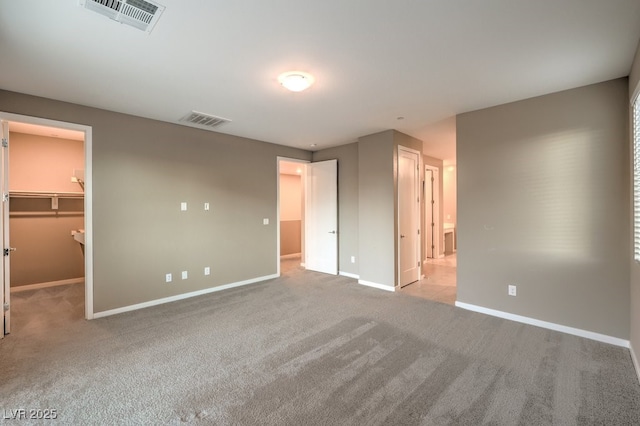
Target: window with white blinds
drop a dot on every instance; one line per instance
(636, 179)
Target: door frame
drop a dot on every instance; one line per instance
(436, 209)
(88, 194)
(280, 159)
(418, 259)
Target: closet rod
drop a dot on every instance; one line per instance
(42, 194)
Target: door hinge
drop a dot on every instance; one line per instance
(6, 306)
(418, 263)
(418, 232)
(5, 197)
(7, 250)
(5, 143)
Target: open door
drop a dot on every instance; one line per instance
(321, 217)
(4, 228)
(408, 216)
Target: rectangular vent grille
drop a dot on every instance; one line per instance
(140, 14)
(200, 119)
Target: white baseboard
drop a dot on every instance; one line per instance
(544, 324)
(349, 275)
(47, 284)
(635, 361)
(376, 285)
(180, 297)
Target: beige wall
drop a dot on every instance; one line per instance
(290, 214)
(142, 170)
(46, 251)
(290, 197)
(450, 203)
(634, 87)
(543, 203)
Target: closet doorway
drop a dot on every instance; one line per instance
(46, 223)
(291, 183)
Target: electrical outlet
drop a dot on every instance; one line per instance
(265, 221)
(185, 275)
(207, 270)
(512, 290)
(353, 259)
(183, 206)
(168, 278)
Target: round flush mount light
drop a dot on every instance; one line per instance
(296, 81)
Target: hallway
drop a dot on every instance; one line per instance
(439, 283)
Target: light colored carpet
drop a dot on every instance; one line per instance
(313, 349)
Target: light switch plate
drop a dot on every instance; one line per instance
(185, 275)
(265, 221)
(206, 206)
(183, 206)
(207, 270)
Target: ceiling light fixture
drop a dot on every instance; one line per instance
(296, 81)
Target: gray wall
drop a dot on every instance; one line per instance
(634, 86)
(347, 156)
(142, 170)
(543, 190)
(376, 208)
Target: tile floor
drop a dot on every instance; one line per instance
(439, 283)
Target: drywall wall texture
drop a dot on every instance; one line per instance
(347, 156)
(543, 204)
(634, 89)
(376, 209)
(290, 214)
(45, 249)
(449, 195)
(142, 171)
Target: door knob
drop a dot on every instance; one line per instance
(332, 232)
(401, 236)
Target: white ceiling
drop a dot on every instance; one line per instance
(373, 61)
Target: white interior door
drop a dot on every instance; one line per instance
(321, 217)
(4, 228)
(408, 216)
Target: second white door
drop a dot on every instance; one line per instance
(408, 216)
(321, 217)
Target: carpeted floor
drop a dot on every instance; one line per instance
(313, 349)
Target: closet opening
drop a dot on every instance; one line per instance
(291, 175)
(44, 220)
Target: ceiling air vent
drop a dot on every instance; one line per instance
(141, 14)
(205, 121)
